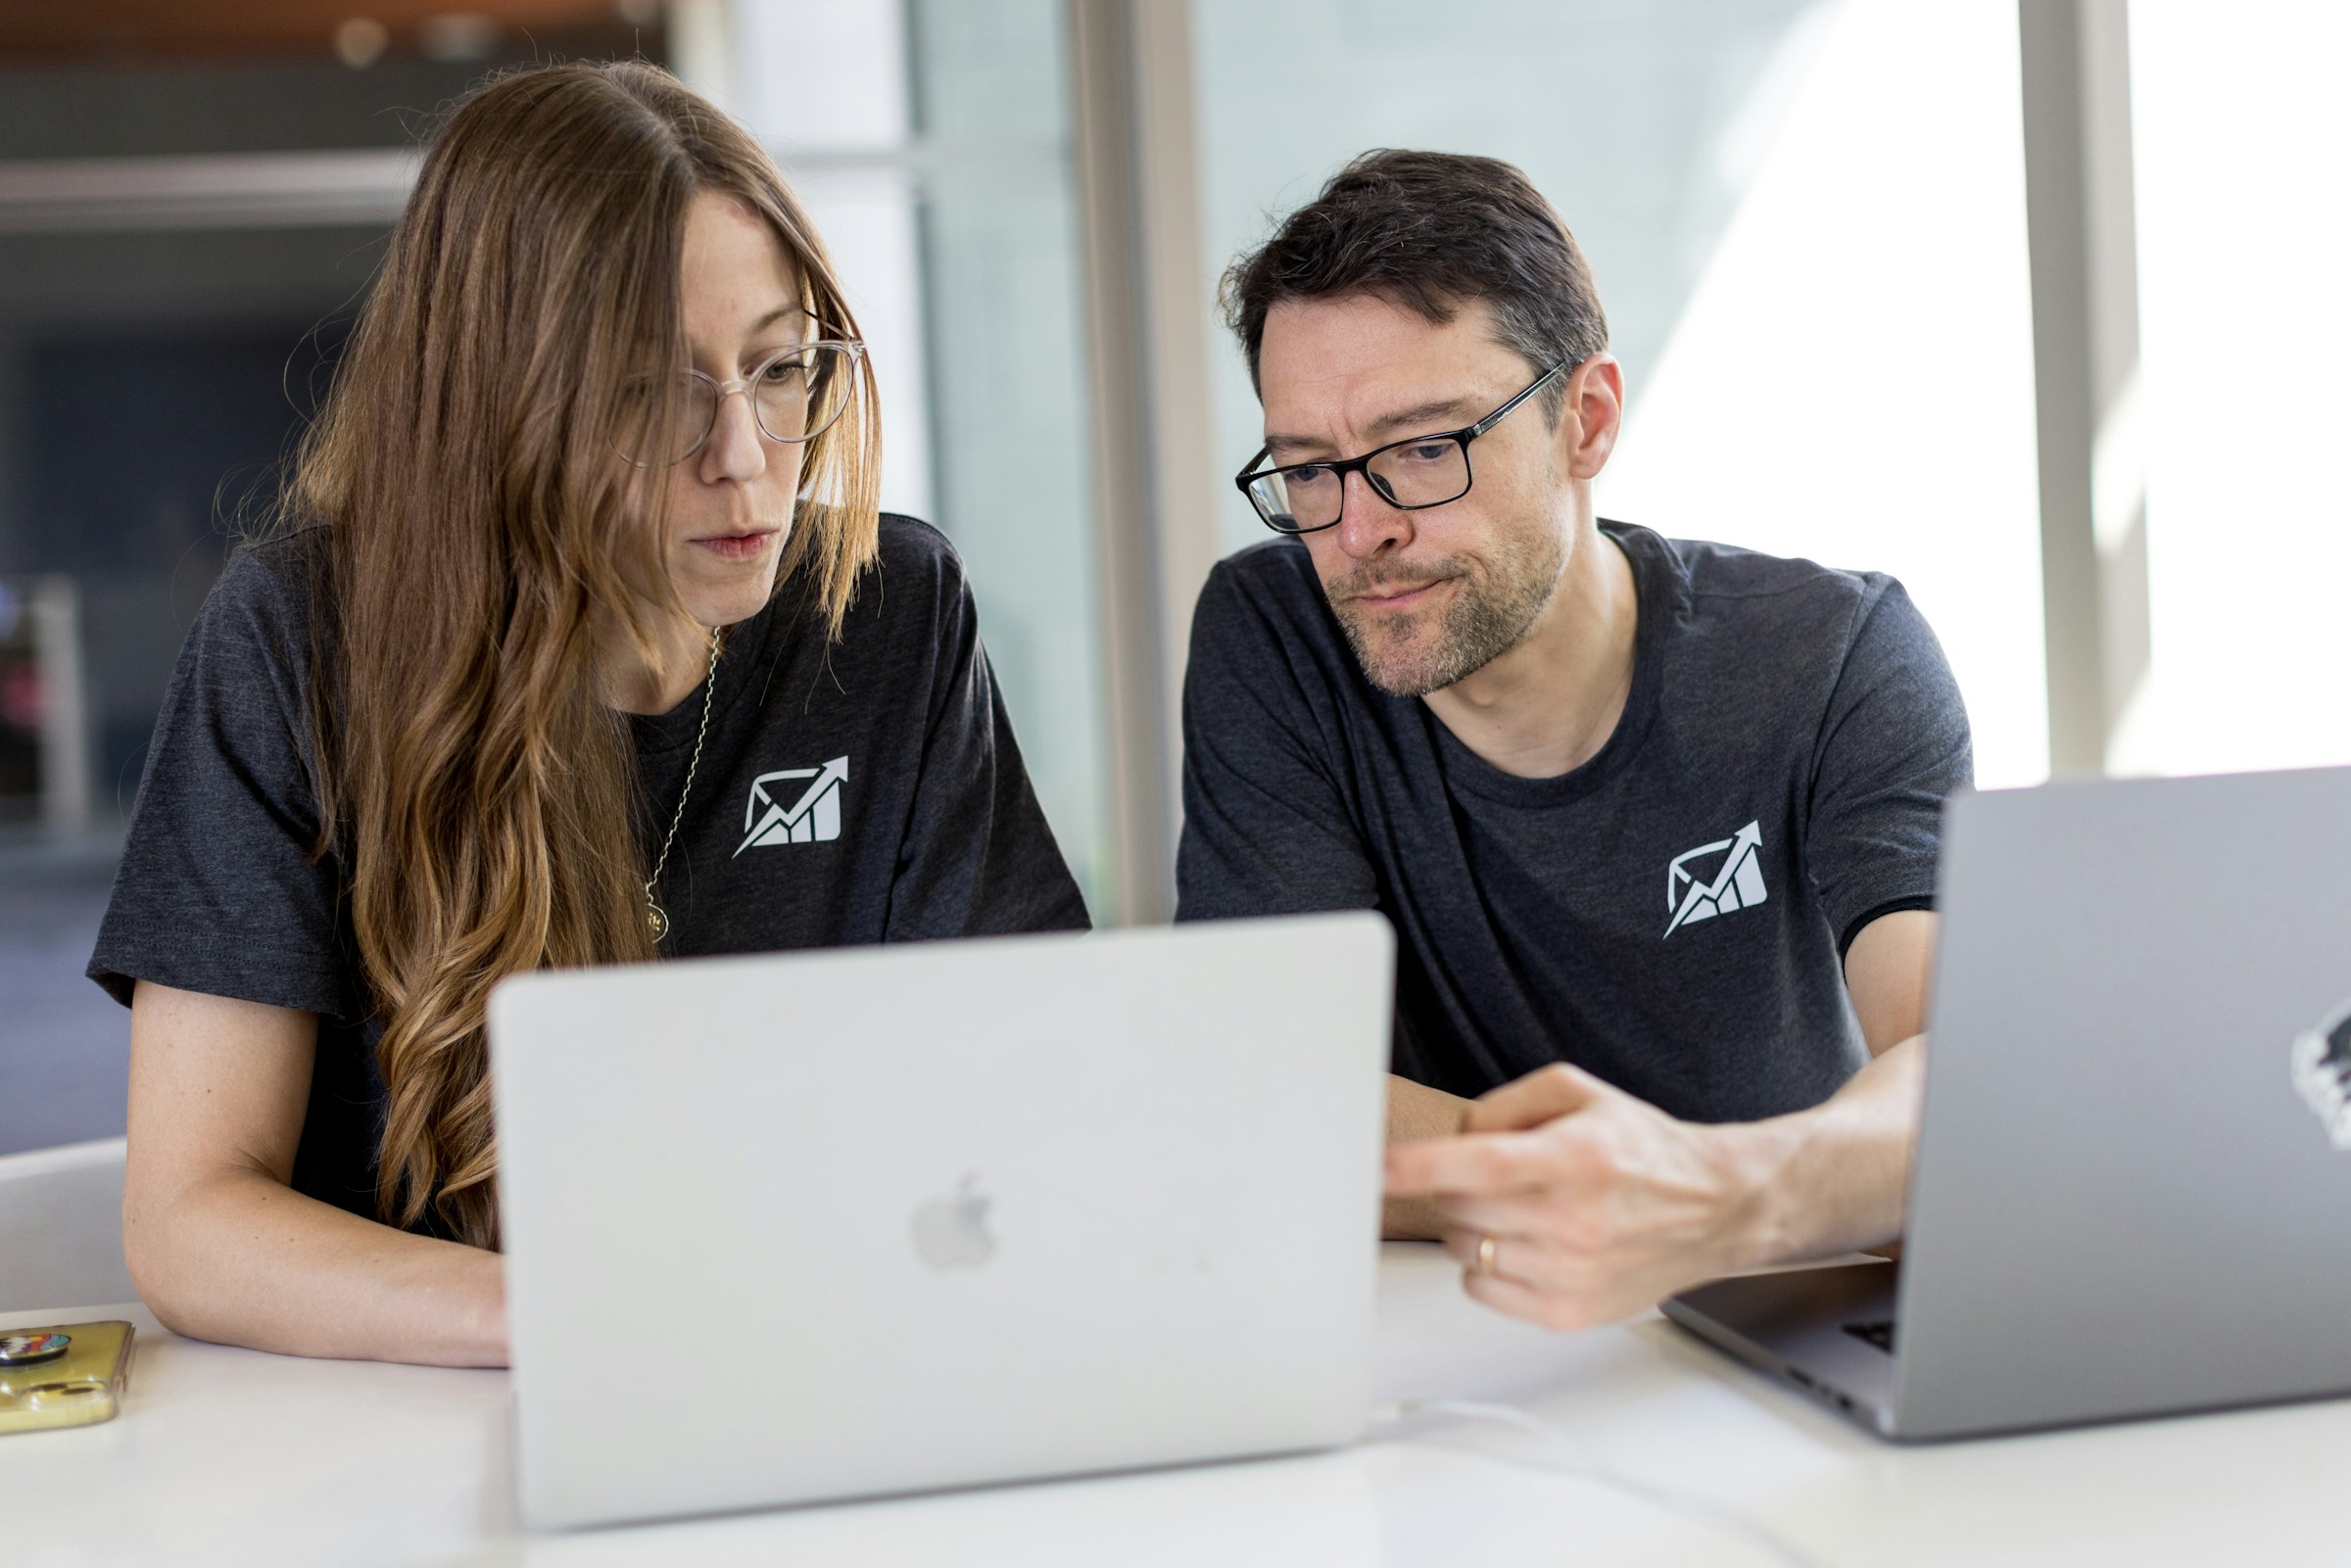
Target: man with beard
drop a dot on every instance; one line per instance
(1456, 697)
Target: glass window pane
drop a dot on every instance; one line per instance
(2242, 128)
(932, 147)
(1012, 461)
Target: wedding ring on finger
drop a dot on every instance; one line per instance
(1486, 1246)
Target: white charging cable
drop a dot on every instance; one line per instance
(1567, 1462)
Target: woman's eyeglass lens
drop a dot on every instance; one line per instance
(796, 396)
(1428, 471)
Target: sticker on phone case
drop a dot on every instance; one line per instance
(28, 1350)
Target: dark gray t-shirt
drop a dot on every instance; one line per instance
(867, 791)
(1673, 915)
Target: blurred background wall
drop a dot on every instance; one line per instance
(2030, 304)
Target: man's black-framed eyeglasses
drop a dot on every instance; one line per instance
(1410, 475)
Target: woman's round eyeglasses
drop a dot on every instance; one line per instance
(1424, 471)
(795, 394)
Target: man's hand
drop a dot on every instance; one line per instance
(1598, 1205)
(1570, 1202)
(1588, 1204)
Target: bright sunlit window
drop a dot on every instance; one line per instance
(2242, 130)
(1853, 379)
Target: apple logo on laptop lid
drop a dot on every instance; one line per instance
(2321, 1071)
(951, 1232)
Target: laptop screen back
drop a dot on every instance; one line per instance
(2126, 1200)
(815, 1225)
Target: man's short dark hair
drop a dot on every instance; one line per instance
(1431, 232)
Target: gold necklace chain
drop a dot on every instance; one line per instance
(657, 919)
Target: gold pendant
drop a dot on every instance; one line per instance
(656, 921)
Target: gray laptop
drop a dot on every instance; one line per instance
(2133, 1192)
(817, 1225)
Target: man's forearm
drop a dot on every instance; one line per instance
(1833, 1178)
(1415, 1112)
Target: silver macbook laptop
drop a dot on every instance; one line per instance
(2133, 1192)
(817, 1225)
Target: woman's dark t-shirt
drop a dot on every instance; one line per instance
(864, 791)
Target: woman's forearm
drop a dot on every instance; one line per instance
(238, 1258)
(1415, 1112)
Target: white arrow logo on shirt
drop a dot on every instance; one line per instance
(814, 818)
(1737, 886)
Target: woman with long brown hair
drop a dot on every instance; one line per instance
(581, 641)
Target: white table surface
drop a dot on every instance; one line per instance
(231, 1457)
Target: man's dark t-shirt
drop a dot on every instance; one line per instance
(867, 791)
(1673, 915)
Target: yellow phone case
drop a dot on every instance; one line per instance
(79, 1388)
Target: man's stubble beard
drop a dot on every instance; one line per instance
(1491, 613)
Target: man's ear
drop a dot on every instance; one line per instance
(1593, 414)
